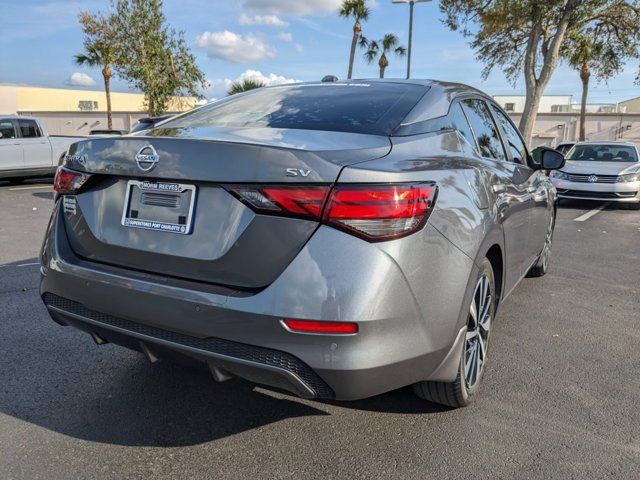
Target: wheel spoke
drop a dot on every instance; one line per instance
(470, 364)
(478, 365)
(473, 313)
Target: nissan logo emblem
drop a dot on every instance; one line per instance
(146, 158)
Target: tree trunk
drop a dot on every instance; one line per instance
(585, 73)
(354, 43)
(106, 74)
(383, 64)
(550, 55)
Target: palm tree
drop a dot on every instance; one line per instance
(381, 48)
(244, 86)
(100, 50)
(359, 12)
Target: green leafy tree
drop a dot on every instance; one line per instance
(600, 46)
(379, 49)
(244, 86)
(100, 49)
(523, 37)
(358, 11)
(154, 58)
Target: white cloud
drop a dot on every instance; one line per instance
(285, 36)
(218, 88)
(293, 7)
(299, 48)
(267, 20)
(234, 48)
(79, 79)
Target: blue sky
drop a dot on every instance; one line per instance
(276, 40)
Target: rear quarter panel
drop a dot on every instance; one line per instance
(463, 215)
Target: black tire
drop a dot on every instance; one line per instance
(460, 392)
(541, 267)
(634, 206)
(15, 180)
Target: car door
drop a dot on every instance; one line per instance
(510, 184)
(11, 156)
(538, 183)
(36, 147)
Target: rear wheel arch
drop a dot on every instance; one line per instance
(495, 256)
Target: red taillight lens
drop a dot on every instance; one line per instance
(68, 181)
(373, 212)
(314, 326)
(293, 201)
(380, 212)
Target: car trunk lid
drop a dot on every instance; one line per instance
(177, 217)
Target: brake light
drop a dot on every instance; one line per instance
(380, 212)
(292, 201)
(372, 212)
(322, 327)
(68, 181)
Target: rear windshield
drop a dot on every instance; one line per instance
(374, 108)
(603, 153)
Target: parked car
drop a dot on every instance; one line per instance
(26, 150)
(601, 171)
(334, 240)
(147, 123)
(564, 147)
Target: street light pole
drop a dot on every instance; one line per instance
(411, 5)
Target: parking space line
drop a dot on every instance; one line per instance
(591, 213)
(31, 188)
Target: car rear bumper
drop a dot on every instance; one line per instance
(401, 340)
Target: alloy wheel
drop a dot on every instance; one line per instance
(478, 327)
(546, 251)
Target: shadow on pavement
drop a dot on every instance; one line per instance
(57, 378)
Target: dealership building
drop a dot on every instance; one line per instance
(75, 111)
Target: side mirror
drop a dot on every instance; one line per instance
(552, 160)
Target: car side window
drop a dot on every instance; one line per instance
(29, 129)
(460, 123)
(515, 144)
(7, 130)
(485, 130)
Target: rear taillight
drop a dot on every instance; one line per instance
(68, 181)
(322, 327)
(380, 212)
(372, 212)
(291, 201)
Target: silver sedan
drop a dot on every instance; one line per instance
(601, 171)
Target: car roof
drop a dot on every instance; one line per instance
(18, 117)
(423, 82)
(608, 142)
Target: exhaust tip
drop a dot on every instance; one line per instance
(149, 353)
(98, 339)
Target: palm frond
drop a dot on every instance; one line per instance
(244, 86)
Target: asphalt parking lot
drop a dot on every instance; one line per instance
(559, 400)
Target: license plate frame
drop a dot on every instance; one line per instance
(154, 224)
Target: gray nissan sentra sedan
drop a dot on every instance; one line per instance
(336, 240)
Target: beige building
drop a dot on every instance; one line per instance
(553, 128)
(632, 105)
(76, 112)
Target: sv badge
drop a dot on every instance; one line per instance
(295, 172)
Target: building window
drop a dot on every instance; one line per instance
(510, 107)
(87, 105)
